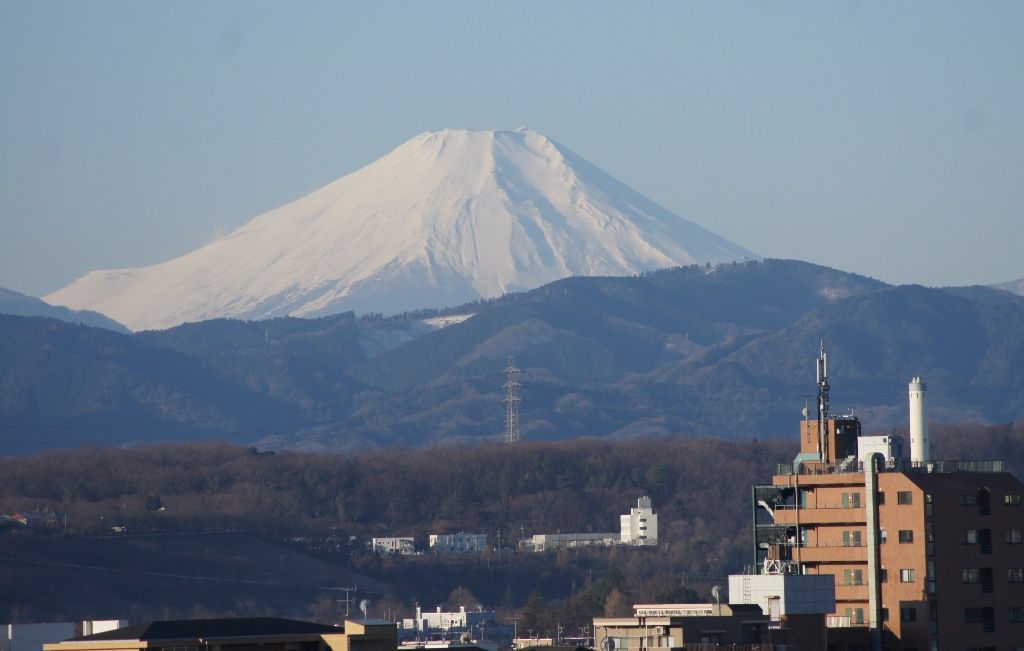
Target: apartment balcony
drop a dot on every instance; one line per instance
(832, 554)
(820, 515)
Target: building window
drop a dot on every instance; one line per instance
(851, 500)
(853, 577)
(970, 536)
(881, 499)
(1013, 499)
(973, 615)
(906, 576)
(1013, 536)
(851, 539)
(883, 575)
(1017, 614)
(906, 536)
(969, 500)
(985, 540)
(904, 497)
(1015, 575)
(856, 615)
(885, 614)
(971, 575)
(908, 614)
(883, 536)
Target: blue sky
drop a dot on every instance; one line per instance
(875, 137)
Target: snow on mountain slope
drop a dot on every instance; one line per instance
(445, 218)
(1014, 287)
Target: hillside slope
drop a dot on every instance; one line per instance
(17, 304)
(723, 351)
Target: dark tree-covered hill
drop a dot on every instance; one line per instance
(284, 522)
(725, 351)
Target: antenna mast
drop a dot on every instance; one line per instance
(511, 401)
(823, 403)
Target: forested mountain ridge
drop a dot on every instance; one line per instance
(723, 351)
(18, 304)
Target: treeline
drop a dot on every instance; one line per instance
(700, 490)
(699, 487)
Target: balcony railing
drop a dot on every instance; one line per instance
(709, 646)
(894, 465)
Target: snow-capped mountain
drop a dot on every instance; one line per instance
(1014, 286)
(445, 218)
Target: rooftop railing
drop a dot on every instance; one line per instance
(945, 466)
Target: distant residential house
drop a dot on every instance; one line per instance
(36, 518)
(397, 545)
(458, 543)
(28, 519)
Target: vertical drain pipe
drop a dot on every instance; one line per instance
(874, 586)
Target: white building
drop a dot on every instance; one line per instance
(640, 525)
(781, 595)
(544, 541)
(443, 625)
(400, 545)
(458, 543)
(890, 447)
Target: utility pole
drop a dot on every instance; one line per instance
(348, 600)
(512, 401)
(515, 629)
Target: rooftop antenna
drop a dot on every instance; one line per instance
(512, 401)
(823, 402)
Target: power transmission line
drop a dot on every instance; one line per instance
(512, 401)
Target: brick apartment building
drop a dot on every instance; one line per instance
(926, 554)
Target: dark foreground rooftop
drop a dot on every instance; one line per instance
(208, 629)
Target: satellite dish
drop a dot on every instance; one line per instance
(805, 411)
(364, 606)
(607, 644)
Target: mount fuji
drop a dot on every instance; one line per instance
(446, 218)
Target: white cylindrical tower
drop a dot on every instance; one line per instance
(918, 421)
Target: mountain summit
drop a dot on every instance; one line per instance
(445, 218)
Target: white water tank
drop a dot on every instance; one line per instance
(918, 421)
